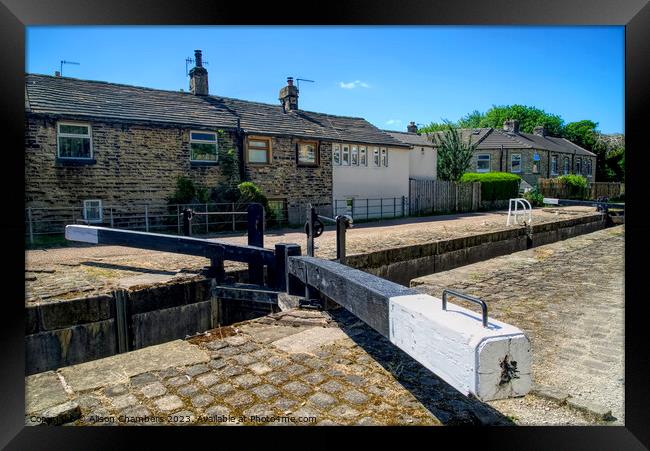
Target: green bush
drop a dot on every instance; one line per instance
(577, 186)
(535, 198)
(249, 192)
(187, 192)
(495, 185)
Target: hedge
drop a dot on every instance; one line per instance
(577, 186)
(495, 185)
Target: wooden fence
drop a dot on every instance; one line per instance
(438, 196)
(558, 189)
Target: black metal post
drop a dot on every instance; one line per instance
(311, 216)
(256, 238)
(341, 227)
(187, 222)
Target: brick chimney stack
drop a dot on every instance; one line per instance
(511, 126)
(412, 128)
(540, 130)
(289, 96)
(198, 76)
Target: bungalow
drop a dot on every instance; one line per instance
(530, 155)
(93, 144)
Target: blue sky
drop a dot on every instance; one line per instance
(388, 75)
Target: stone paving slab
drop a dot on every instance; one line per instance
(87, 270)
(353, 376)
(42, 391)
(119, 368)
(568, 297)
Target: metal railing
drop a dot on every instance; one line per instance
(159, 218)
(367, 209)
(514, 213)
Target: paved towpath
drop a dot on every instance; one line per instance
(83, 270)
(296, 367)
(568, 297)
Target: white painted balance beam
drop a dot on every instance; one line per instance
(492, 362)
(454, 345)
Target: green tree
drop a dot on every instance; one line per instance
(433, 127)
(528, 117)
(454, 154)
(583, 133)
(471, 120)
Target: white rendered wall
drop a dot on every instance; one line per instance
(372, 182)
(423, 165)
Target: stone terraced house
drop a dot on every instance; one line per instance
(91, 144)
(530, 155)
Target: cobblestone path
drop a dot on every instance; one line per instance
(298, 367)
(84, 270)
(568, 297)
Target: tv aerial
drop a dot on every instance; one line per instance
(66, 62)
(298, 80)
(189, 61)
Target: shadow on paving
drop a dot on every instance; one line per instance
(445, 402)
(128, 268)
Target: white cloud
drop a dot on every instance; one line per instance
(354, 84)
(393, 122)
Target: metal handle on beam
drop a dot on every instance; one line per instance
(467, 297)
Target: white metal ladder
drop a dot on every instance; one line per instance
(526, 211)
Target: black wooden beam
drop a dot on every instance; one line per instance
(170, 243)
(364, 295)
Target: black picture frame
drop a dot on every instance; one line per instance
(16, 14)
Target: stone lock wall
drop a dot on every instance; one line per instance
(134, 164)
(298, 185)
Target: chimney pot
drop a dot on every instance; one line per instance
(289, 96)
(412, 128)
(57, 73)
(198, 76)
(540, 130)
(511, 126)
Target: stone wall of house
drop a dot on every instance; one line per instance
(283, 179)
(135, 164)
(500, 161)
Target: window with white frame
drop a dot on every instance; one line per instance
(515, 162)
(74, 140)
(336, 154)
(384, 156)
(203, 146)
(588, 164)
(354, 156)
(375, 155)
(554, 165)
(483, 163)
(363, 156)
(565, 168)
(346, 155)
(93, 210)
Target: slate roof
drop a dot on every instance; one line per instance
(413, 139)
(66, 96)
(492, 138)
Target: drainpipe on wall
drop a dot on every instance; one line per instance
(240, 150)
(501, 159)
(548, 166)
